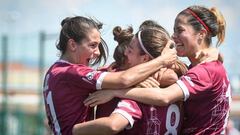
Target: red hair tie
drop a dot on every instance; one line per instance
(199, 20)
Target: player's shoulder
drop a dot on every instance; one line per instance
(206, 68)
(214, 68)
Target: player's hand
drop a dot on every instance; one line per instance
(208, 55)
(112, 67)
(169, 54)
(99, 97)
(150, 82)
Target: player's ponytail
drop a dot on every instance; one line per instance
(221, 25)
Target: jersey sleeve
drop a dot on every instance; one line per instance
(86, 76)
(195, 81)
(130, 110)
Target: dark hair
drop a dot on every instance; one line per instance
(153, 25)
(123, 37)
(211, 18)
(77, 28)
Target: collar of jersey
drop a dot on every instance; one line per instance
(63, 61)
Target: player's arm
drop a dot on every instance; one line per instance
(209, 54)
(152, 96)
(163, 78)
(166, 76)
(102, 126)
(140, 72)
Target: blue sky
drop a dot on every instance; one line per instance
(23, 19)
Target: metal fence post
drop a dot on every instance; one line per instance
(42, 40)
(4, 111)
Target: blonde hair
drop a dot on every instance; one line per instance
(221, 25)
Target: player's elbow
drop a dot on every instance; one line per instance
(75, 130)
(166, 101)
(114, 127)
(163, 100)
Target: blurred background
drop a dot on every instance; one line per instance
(29, 32)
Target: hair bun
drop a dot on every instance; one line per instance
(64, 21)
(121, 35)
(116, 33)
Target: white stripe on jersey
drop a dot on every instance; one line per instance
(53, 113)
(127, 105)
(100, 80)
(127, 116)
(184, 89)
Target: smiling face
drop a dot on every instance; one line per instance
(88, 48)
(185, 38)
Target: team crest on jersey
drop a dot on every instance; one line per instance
(90, 75)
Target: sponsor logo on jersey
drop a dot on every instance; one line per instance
(90, 75)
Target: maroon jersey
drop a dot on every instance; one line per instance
(104, 110)
(207, 95)
(66, 86)
(150, 120)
